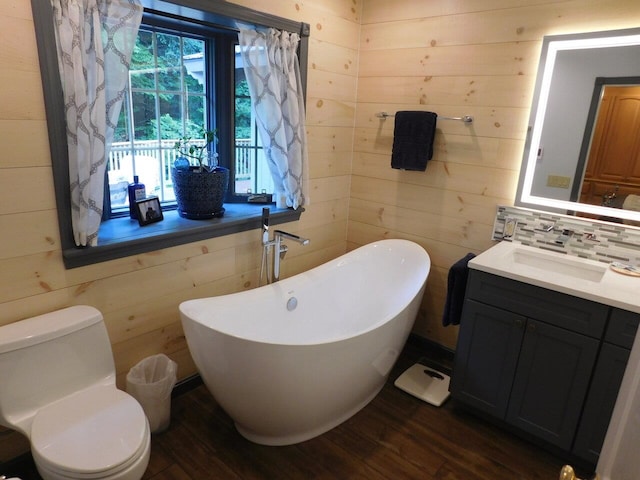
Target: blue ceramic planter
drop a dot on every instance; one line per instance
(200, 194)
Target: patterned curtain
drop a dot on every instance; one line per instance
(95, 39)
(273, 74)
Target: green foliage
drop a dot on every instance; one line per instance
(243, 110)
(163, 74)
(158, 114)
(189, 148)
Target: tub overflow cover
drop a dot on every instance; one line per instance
(292, 303)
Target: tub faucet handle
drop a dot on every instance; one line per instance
(265, 225)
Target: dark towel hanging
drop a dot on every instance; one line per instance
(413, 136)
(456, 288)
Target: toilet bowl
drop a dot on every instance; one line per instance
(60, 392)
(97, 433)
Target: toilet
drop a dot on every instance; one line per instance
(58, 389)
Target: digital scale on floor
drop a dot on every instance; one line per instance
(425, 383)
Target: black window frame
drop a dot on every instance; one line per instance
(124, 239)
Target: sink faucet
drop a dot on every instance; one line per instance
(564, 237)
(279, 248)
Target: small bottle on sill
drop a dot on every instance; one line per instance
(137, 191)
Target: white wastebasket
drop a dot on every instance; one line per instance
(150, 382)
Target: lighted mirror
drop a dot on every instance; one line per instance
(582, 153)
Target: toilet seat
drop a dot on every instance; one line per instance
(95, 433)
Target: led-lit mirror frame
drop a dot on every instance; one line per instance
(550, 48)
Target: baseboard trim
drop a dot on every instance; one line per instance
(435, 356)
(186, 384)
(431, 346)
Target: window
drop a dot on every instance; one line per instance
(167, 100)
(186, 73)
(172, 85)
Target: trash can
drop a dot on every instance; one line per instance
(150, 382)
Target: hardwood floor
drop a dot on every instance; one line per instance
(395, 437)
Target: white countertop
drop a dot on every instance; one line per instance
(562, 273)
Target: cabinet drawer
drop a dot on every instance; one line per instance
(622, 328)
(565, 311)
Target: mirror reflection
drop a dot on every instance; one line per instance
(610, 165)
(582, 155)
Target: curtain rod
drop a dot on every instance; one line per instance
(465, 118)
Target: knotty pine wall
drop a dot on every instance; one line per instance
(459, 57)
(139, 295)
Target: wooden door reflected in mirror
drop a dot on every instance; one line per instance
(613, 166)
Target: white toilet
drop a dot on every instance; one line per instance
(57, 387)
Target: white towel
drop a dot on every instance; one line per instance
(632, 202)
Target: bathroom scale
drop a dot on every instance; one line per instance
(425, 383)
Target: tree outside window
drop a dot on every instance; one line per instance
(168, 99)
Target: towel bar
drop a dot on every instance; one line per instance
(465, 118)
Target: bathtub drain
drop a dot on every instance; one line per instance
(292, 303)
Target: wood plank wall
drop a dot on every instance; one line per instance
(458, 57)
(139, 295)
(461, 57)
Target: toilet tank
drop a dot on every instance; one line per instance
(48, 357)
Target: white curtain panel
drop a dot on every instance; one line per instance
(272, 69)
(95, 39)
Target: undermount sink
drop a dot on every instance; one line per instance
(554, 270)
(557, 263)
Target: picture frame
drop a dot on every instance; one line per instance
(149, 211)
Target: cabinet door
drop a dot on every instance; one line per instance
(598, 409)
(486, 356)
(622, 328)
(551, 382)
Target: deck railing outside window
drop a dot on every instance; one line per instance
(151, 160)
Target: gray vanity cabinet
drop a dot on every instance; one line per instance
(526, 355)
(551, 381)
(607, 377)
(487, 356)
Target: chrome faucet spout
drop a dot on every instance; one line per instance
(274, 247)
(291, 236)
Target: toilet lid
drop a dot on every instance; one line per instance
(92, 431)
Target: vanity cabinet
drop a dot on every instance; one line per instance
(534, 358)
(607, 378)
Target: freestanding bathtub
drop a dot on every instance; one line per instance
(291, 360)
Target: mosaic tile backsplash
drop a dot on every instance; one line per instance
(602, 241)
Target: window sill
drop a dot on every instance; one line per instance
(123, 237)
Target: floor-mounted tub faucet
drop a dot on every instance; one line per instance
(279, 249)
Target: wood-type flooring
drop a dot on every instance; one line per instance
(396, 436)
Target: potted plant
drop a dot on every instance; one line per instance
(199, 184)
